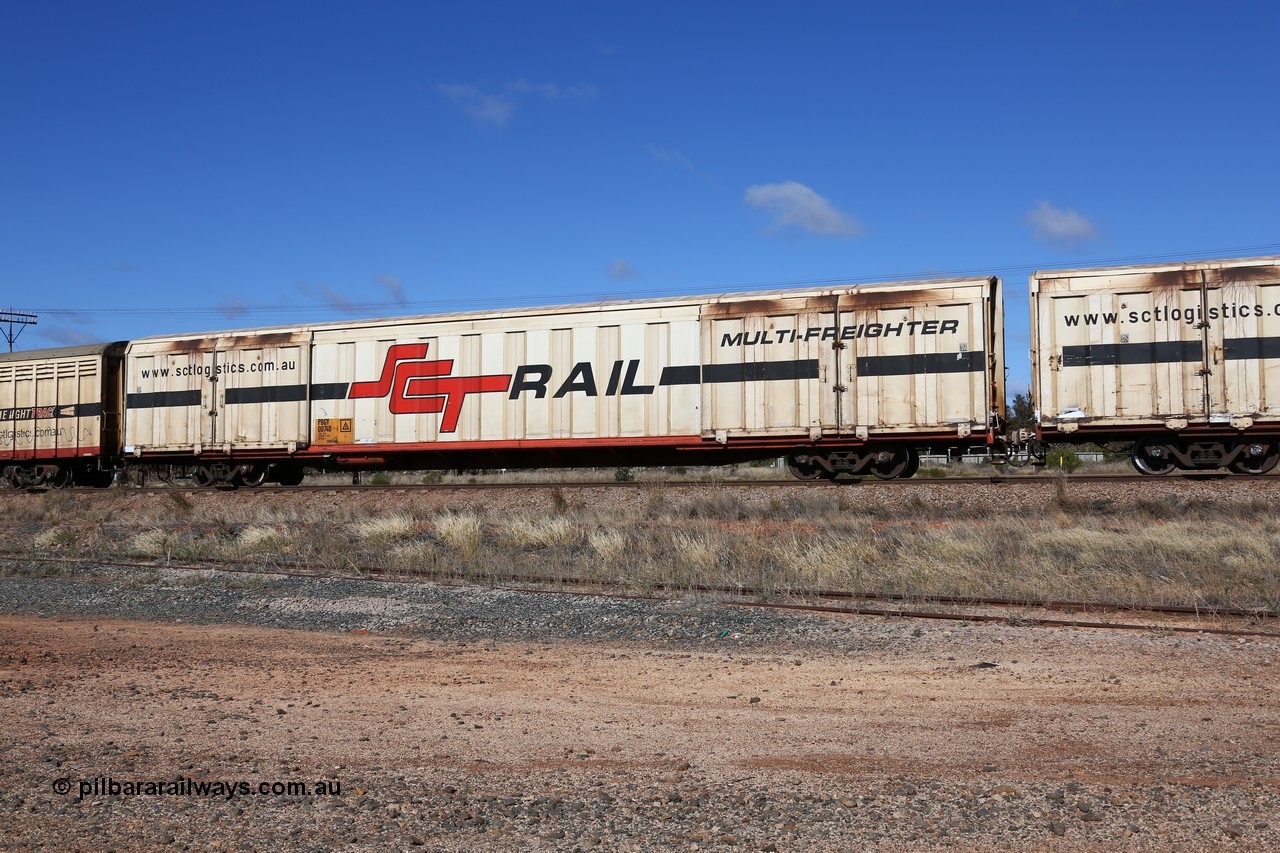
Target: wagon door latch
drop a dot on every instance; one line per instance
(213, 396)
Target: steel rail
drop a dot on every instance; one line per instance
(994, 479)
(592, 588)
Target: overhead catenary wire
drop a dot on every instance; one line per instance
(391, 307)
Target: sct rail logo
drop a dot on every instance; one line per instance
(421, 386)
(418, 385)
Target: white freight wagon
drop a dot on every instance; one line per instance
(1182, 359)
(59, 414)
(227, 402)
(852, 378)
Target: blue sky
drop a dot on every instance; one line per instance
(181, 166)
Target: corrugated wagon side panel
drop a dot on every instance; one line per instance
(262, 395)
(490, 410)
(923, 365)
(1142, 347)
(46, 433)
(165, 400)
(608, 351)
(763, 372)
(8, 427)
(51, 403)
(9, 395)
(675, 402)
(537, 408)
(554, 377)
(1245, 347)
(223, 393)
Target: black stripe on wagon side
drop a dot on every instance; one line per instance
(921, 362)
(41, 412)
(329, 390)
(1153, 352)
(163, 399)
(761, 371)
(268, 394)
(685, 374)
(751, 371)
(1237, 349)
(241, 396)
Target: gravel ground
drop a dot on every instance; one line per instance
(460, 718)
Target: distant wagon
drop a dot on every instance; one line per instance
(60, 415)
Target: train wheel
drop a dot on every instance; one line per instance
(202, 477)
(100, 479)
(913, 466)
(288, 474)
(892, 464)
(1263, 459)
(806, 470)
(62, 479)
(252, 475)
(1152, 458)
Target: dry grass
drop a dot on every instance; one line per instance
(534, 532)
(1139, 551)
(461, 532)
(385, 528)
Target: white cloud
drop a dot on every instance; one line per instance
(604, 48)
(670, 157)
(497, 107)
(551, 91)
(621, 270)
(795, 205)
(1059, 227)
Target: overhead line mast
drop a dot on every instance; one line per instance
(10, 318)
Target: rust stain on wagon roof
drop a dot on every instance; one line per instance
(1171, 280)
(871, 299)
(1246, 275)
(766, 307)
(851, 300)
(1186, 277)
(1189, 279)
(222, 342)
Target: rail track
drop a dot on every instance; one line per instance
(1034, 480)
(1172, 618)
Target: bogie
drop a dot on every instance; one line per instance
(1158, 456)
(884, 462)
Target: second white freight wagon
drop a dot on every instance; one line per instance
(1182, 360)
(852, 379)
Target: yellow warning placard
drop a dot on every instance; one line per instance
(335, 431)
